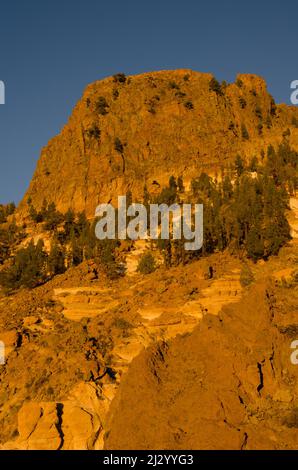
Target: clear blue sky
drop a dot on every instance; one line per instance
(51, 49)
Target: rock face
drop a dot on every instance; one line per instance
(71, 424)
(67, 361)
(228, 385)
(175, 359)
(182, 362)
(123, 135)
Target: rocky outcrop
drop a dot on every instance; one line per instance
(123, 135)
(228, 385)
(80, 345)
(71, 424)
(74, 373)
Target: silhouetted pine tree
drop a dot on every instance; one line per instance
(56, 260)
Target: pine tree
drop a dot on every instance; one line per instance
(33, 214)
(69, 220)
(28, 268)
(56, 260)
(244, 132)
(173, 183)
(214, 85)
(107, 258)
(81, 224)
(180, 184)
(253, 166)
(254, 243)
(118, 146)
(168, 195)
(76, 253)
(227, 189)
(146, 202)
(239, 165)
(146, 264)
(52, 217)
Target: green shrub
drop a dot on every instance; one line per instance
(51, 217)
(189, 104)
(273, 107)
(122, 324)
(258, 112)
(147, 264)
(101, 106)
(253, 165)
(260, 128)
(173, 85)
(115, 93)
(180, 184)
(56, 260)
(28, 268)
(291, 421)
(119, 78)
(242, 102)
(239, 165)
(180, 94)
(244, 132)
(246, 276)
(268, 122)
(214, 85)
(93, 132)
(118, 146)
(6, 210)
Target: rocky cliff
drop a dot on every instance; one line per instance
(228, 385)
(203, 362)
(128, 131)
